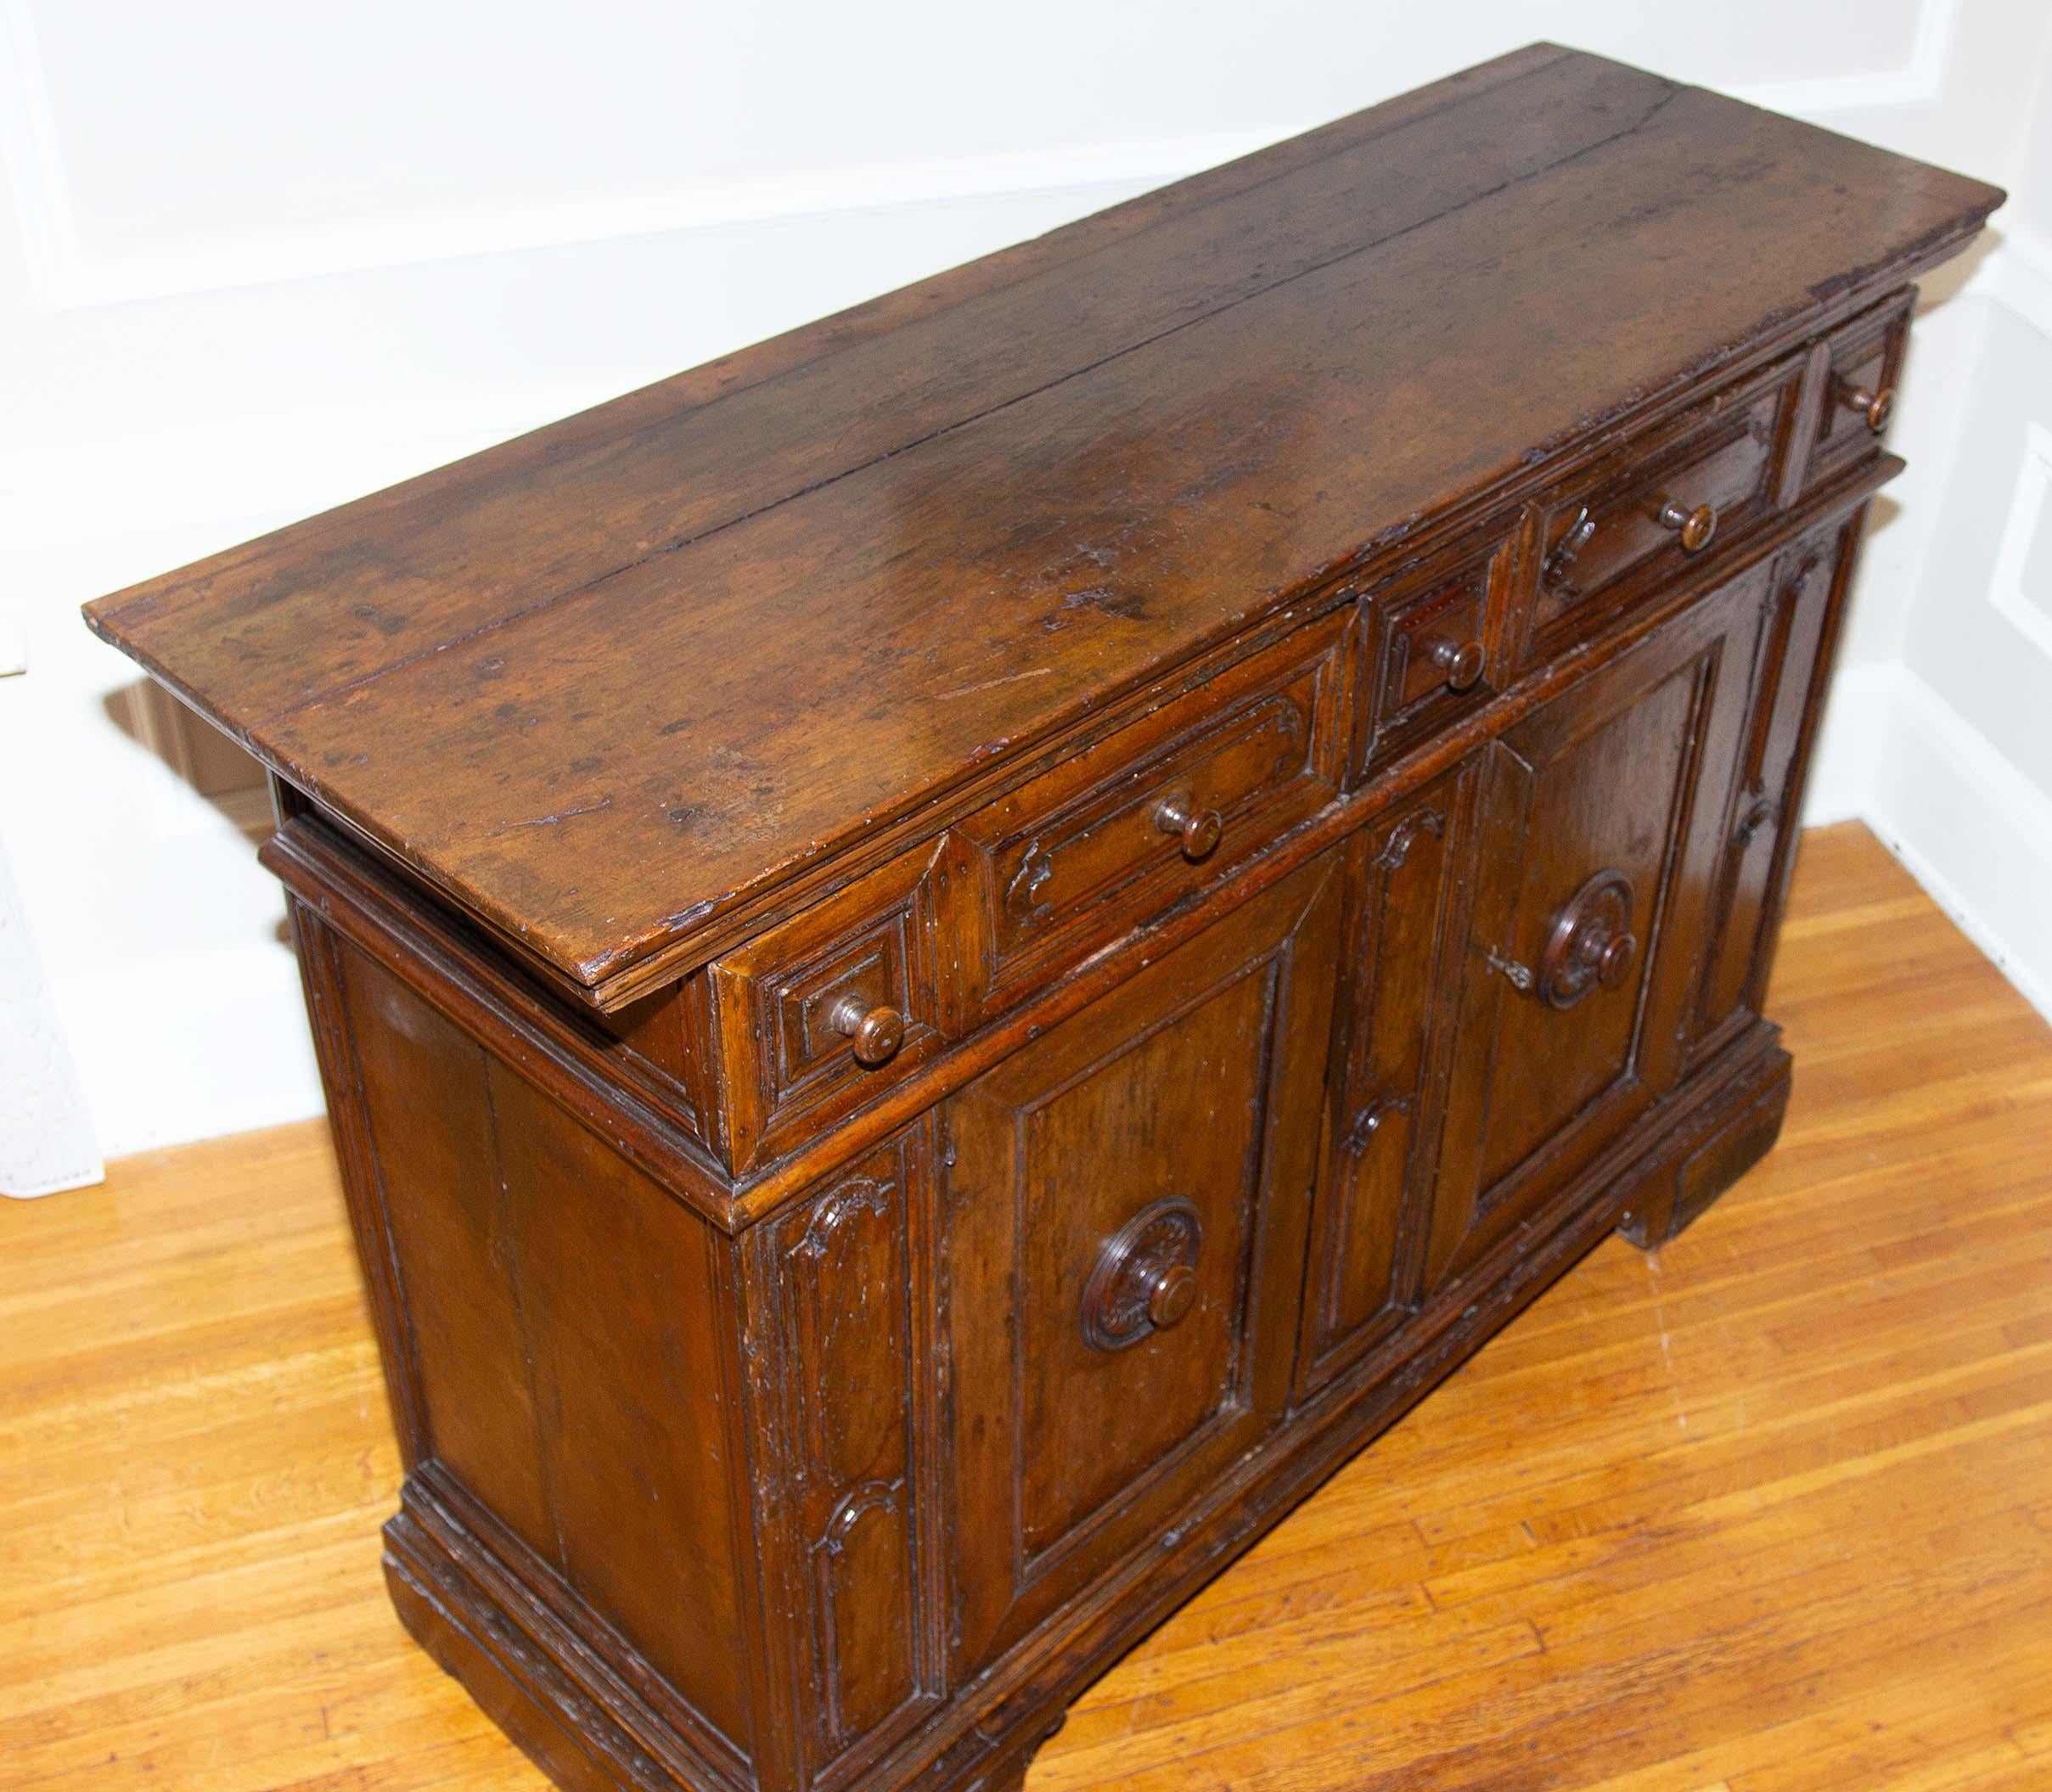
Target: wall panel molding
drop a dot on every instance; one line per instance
(2016, 274)
(2027, 517)
(1969, 826)
(68, 278)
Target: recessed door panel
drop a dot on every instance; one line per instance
(1122, 1252)
(1594, 864)
(1401, 950)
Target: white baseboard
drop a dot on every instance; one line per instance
(192, 1048)
(1841, 764)
(1963, 822)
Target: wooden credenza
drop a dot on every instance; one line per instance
(954, 954)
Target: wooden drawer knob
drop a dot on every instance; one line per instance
(1170, 1295)
(1145, 1278)
(1592, 946)
(1876, 409)
(1695, 527)
(875, 1033)
(1196, 829)
(1461, 661)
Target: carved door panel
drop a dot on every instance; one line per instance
(1593, 863)
(1121, 1251)
(1402, 952)
(1800, 612)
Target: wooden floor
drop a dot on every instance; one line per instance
(1772, 1511)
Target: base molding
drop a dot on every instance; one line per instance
(1712, 1147)
(518, 1682)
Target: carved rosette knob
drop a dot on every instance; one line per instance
(1197, 830)
(873, 1034)
(1695, 527)
(1145, 1278)
(1592, 945)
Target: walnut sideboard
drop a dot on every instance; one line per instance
(952, 954)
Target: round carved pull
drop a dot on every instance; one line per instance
(1592, 945)
(1462, 662)
(1695, 527)
(1876, 409)
(1197, 829)
(876, 1033)
(1145, 1278)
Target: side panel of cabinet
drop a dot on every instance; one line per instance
(1594, 868)
(1402, 952)
(1122, 1239)
(559, 1332)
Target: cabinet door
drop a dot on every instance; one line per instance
(1121, 1248)
(1593, 865)
(1799, 621)
(1403, 951)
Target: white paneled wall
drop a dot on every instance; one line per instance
(254, 260)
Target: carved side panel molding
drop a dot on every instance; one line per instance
(841, 1287)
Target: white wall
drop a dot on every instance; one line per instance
(258, 260)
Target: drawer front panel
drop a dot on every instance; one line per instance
(828, 1010)
(1658, 508)
(1433, 639)
(1856, 401)
(1123, 1245)
(1130, 825)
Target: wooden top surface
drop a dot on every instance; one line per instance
(607, 683)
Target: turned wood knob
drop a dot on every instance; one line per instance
(1170, 1296)
(1616, 963)
(1695, 527)
(1197, 829)
(1462, 661)
(875, 1033)
(1876, 409)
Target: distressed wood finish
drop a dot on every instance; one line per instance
(953, 956)
(1860, 1344)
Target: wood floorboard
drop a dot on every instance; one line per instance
(1768, 1512)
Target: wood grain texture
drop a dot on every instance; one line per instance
(653, 668)
(1767, 1512)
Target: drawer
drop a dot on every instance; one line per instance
(1090, 849)
(833, 1007)
(1860, 367)
(1652, 510)
(1433, 644)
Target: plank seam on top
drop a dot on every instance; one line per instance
(1221, 309)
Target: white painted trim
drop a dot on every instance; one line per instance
(2017, 275)
(254, 469)
(66, 277)
(1920, 81)
(47, 1142)
(192, 1047)
(2026, 509)
(1967, 825)
(1842, 762)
